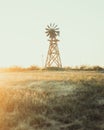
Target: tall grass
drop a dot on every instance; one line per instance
(52, 101)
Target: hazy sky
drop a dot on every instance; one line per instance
(22, 31)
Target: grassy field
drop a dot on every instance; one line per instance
(52, 100)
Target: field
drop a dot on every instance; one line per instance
(52, 100)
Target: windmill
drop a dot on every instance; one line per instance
(53, 57)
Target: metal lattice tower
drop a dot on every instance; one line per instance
(53, 57)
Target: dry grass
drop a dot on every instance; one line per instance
(42, 100)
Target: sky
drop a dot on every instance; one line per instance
(23, 41)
